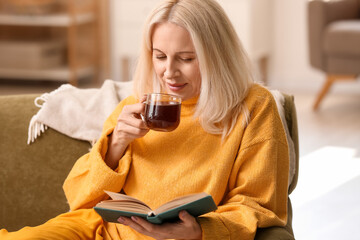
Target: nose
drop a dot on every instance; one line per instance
(170, 69)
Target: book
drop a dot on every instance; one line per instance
(124, 205)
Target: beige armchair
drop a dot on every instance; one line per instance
(334, 40)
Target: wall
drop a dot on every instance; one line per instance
(289, 65)
(127, 18)
(253, 20)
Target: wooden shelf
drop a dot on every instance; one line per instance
(55, 20)
(56, 74)
(80, 25)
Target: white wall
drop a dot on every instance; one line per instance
(253, 22)
(289, 65)
(127, 17)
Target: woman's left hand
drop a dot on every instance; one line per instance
(186, 228)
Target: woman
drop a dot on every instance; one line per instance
(230, 142)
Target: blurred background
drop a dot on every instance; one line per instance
(47, 43)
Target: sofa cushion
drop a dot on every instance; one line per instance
(31, 176)
(342, 38)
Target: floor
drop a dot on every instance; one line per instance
(326, 201)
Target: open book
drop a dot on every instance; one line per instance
(123, 205)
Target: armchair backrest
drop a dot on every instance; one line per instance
(320, 14)
(291, 121)
(289, 112)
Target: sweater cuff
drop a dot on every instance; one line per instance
(213, 228)
(111, 177)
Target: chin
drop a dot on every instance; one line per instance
(183, 94)
(176, 93)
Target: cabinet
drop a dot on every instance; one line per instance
(53, 40)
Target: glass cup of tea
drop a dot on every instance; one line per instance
(162, 112)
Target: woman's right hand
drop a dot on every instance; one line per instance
(129, 127)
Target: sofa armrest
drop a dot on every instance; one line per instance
(31, 176)
(320, 14)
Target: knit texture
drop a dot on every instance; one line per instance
(247, 174)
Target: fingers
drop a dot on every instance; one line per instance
(140, 225)
(143, 99)
(186, 228)
(131, 115)
(129, 121)
(186, 217)
(129, 127)
(145, 225)
(190, 222)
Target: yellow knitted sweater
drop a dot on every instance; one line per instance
(246, 174)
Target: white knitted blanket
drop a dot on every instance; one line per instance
(78, 113)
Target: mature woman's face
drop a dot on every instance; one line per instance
(175, 61)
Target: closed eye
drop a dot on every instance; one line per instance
(160, 57)
(187, 59)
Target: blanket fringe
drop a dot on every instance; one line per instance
(36, 127)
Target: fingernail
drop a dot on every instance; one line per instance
(183, 213)
(121, 220)
(134, 218)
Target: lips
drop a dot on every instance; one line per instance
(176, 87)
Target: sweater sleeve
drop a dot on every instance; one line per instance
(90, 176)
(257, 195)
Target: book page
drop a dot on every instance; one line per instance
(179, 202)
(124, 205)
(120, 196)
(120, 201)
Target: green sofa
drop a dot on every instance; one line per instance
(31, 176)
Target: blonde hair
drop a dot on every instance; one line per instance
(226, 74)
